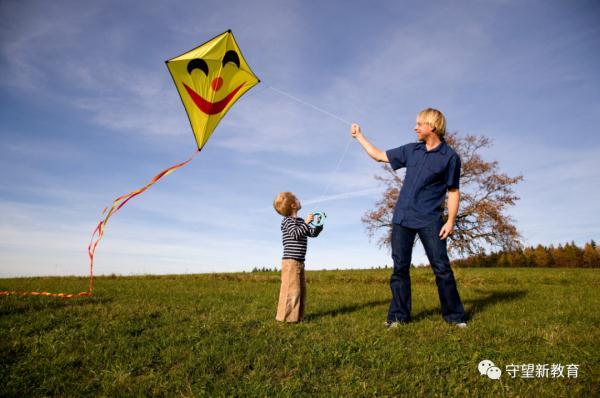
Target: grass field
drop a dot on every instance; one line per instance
(215, 335)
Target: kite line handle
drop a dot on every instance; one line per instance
(318, 219)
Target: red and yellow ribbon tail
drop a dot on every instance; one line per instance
(61, 295)
(99, 232)
(117, 205)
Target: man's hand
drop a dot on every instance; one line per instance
(309, 218)
(373, 152)
(446, 230)
(355, 130)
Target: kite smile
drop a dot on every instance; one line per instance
(211, 108)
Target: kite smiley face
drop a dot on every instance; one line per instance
(200, 69)
(210, 79)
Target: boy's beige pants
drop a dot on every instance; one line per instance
(292, 295)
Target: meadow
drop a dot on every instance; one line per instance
(215, 335)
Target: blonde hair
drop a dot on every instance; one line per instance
(435, 119)
(283, 203)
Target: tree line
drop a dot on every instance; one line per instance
(568, 255)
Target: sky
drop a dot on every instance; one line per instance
(88, 112)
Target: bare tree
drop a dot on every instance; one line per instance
(486, 193)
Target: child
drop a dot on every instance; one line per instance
(295, 231)
(432, 171)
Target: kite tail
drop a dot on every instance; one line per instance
(99, 232)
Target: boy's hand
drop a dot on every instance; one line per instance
(446, 230)
(309, 218)
(355, 130)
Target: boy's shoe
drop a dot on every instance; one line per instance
(462, 325)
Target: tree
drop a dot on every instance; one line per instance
(591, 257)
(486, 193)
(542, 257)
(573, 255)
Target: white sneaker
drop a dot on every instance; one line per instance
(461, 325)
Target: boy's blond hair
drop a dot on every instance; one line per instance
(283, 203)
(435, 119)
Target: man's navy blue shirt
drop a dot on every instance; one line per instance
(429, 174)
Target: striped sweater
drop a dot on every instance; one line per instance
(294, 235)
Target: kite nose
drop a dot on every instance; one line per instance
(217, 83)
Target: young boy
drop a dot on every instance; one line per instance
(432, 169)
(295, 230)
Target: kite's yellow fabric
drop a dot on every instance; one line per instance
(209, 79)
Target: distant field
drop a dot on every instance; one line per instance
(215, 335)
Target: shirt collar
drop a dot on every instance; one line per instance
(443, 147)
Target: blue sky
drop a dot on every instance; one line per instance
(88, 112)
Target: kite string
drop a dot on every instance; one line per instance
(335, 170)
(309, 104)
(338, 118)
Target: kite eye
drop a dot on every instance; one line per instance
(231, 56)
(197, 63)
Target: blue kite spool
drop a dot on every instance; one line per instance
(318, 219)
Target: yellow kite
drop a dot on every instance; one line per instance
(209, 79)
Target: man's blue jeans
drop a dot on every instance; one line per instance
(403, 239)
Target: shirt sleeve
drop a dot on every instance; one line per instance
(295, 229)
(314, 232)
(453, 172)
(397, 157)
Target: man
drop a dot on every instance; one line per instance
(432, 170)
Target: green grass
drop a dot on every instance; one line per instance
(215, 335)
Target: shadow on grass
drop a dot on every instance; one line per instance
(473, 306)
(346, 309)
(14, 305)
